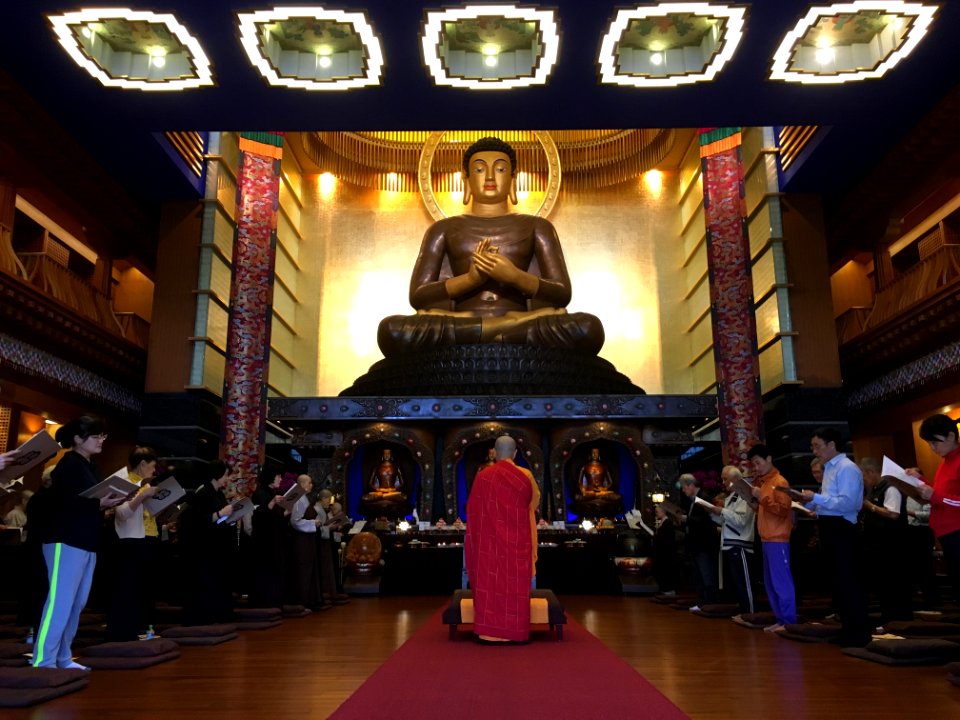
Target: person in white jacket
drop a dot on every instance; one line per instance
(737, 519)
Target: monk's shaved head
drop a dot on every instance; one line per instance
(505, 447)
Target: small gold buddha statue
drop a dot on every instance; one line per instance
(385, 494)
(596, 491)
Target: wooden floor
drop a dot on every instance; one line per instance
(709, 668)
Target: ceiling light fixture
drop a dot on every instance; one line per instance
(726, 44)
(431, 40)
(191, 70)
(787, 64)
(367, 73)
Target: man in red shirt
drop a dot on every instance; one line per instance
(940, 432)
(501, 546)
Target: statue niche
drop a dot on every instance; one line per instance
(490, 290)
(386, 490)
(596, 493)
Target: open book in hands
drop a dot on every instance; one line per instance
(795, 495)
(116, 484)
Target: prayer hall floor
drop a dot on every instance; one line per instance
(710, 668)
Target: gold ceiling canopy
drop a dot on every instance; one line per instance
(588, 158)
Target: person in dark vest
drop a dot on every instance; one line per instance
(702, 543)
(270, 527)
(884, 516)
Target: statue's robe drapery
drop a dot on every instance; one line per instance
(499, 550)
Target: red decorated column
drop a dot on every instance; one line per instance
(739, 399)
(243, 418)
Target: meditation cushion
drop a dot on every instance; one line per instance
(21, 687)
(129, 655)
(758, 621)
(12, 654)
(295, 611)
(811, 632)
(910, 651)
(258, 618)
(683, 603)
(12, 632)
(201, 634)
(717, 611)
(671, 599)
(928, 628)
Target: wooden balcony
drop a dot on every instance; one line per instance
(48, 306)
(915, 314)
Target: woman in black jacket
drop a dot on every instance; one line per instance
(70, 536)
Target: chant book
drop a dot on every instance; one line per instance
(168, 492)
(113, 485)
(291, 496)
(34, 451)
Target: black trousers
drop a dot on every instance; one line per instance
(951, 556)
(920, 562)
(737, 564)
(842, 546)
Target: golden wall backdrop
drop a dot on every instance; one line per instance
(621, 242)
(360, 245)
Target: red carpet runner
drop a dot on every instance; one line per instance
(432, 677)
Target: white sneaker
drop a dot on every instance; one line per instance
(695, 608)
(74, 666)
(775, 628)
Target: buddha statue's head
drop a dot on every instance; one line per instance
(489, 170)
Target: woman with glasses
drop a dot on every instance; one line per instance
(70, 538)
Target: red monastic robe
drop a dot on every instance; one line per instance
(499, 551)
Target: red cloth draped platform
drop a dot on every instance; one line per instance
(431, 677)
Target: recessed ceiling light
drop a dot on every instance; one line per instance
(702, 39)
(102, 42)
(312, 48)
(525, 52)
(885, 32)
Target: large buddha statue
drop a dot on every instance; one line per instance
(596, 493)
(385, 494)
(490, 276)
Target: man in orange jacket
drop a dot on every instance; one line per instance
(774, 523)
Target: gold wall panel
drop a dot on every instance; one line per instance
(223, 232)
(361, 245)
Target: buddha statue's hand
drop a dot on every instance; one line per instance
(502, 269)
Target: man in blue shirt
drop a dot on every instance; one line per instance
(837, 506)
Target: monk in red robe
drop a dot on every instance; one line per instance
(501, 546)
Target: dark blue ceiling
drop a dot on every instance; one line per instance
(116, 126)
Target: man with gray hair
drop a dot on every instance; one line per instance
(884, 517)
(737, 519)
(501, 546)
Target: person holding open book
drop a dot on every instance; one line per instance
(837, 506)
(137, 549)
(775, 522)
(71, 536)
(206, 540)
(884, 519)
(940, 432)
(702, 544)
(737, 519)
(269, 540)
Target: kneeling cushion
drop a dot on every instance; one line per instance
(913, 651)
(12, 654)
(758, 621)
(130, 655)
(924, 628)
(20, 687)
(811, 632)
(295, 611)
(717, 611)
(201, 634)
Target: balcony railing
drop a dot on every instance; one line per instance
(69, 289)
(852, 322)
(924, 280)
